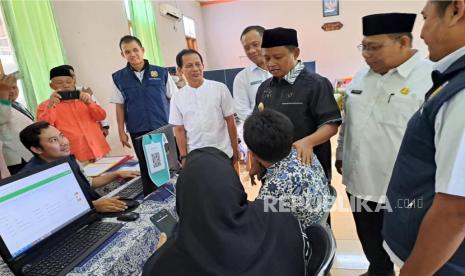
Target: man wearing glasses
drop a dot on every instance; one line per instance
(379, 102)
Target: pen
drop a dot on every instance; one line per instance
(390, 95)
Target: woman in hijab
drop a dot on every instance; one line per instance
(221, 233)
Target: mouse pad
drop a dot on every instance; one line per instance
(132, 205)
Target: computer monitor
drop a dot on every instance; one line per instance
(171, 154)
(34, 206)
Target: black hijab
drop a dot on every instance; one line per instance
(220, 232)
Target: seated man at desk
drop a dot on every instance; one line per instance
(301, 188)
(48, 144)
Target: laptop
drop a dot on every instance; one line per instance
(48, 224)
(171, 153)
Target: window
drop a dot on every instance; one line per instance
(128, 16)
(189, 32)
(7, 58)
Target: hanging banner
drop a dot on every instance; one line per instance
(155, 157)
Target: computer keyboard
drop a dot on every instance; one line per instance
(133, 190)
(74, 249)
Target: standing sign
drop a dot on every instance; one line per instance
(155, 157)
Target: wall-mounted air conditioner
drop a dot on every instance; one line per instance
(170, 12)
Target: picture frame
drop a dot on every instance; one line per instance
(330, 8)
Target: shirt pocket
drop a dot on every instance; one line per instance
(398, 110)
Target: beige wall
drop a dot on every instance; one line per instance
(91, 31)
(335, 52)
(171, 32)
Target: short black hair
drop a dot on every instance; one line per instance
(30, 135)
(257, 28)
(269, 134)
(441, 6)
(128, 39)
(186, 52)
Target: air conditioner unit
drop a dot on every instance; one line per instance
(170, 11)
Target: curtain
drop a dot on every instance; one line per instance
(37, 45)
(144, 28)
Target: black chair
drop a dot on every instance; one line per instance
(323, 247)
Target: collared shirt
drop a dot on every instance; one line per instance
(308, 102)
(450, 138)
(304, 188)
(79, 123)
(12, 122)
(245, 88)
(449, 141)
(202, 111)
(118, 98)
(377, 109)
(294, 73)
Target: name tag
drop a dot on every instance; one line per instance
(358, 92)
(256, 82)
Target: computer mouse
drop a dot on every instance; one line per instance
(131, 216)
(131, 203)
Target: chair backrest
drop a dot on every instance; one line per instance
(333, 196)
(323, 247)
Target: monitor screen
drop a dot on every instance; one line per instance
(36, 206)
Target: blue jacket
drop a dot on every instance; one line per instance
(412, 187)
(146, 104)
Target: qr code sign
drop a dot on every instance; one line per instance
(156, 159)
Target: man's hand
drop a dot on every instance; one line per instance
(127, 174)
(256, 170)
(87, 90)
(162, 240)
(123, 137)
(54, 99)
(304, 150)
(338, 166)
(85, 98)
(109, 205)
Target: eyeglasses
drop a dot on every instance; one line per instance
(369, 48)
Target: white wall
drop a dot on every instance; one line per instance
(171, 33)
(335, 52)
(91, 31)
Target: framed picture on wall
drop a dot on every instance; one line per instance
(330, 8)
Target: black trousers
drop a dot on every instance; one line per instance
(369, 225)
(137, 144)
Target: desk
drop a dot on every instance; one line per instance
(125, 252)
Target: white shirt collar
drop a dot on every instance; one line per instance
(447, 61)
(255, 67)
(407, 67)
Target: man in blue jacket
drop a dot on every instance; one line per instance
(424, 232)
(141, 93)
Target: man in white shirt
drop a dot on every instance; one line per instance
(13, 118)
(249, 79)
(202, 111)
(379, 102)
(424, 232)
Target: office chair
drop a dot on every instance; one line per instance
(323, 246)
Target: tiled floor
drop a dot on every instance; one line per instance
(350, 260)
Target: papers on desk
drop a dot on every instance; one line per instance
(104, 164)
